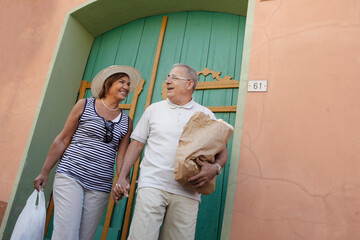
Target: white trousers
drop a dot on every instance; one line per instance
(154, 208)
(77, 211)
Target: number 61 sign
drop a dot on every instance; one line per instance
(257, 85)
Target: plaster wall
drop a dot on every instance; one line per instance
(29, 34)
(298, 175)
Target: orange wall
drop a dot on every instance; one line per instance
(29, 32)
(299, 168)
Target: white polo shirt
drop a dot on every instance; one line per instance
(160, 128)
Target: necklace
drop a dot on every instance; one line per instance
(112, 110)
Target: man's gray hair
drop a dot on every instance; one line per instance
(190, 72)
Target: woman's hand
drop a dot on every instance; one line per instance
(40, 181)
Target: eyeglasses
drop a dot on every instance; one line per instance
(109, 127)
(174, 77)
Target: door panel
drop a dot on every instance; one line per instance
(171, 49)
(221, 57)
(125, 45)
(199, 39)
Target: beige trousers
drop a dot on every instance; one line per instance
(154, 208)
(77, 211)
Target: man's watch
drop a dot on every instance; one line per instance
(219, 169)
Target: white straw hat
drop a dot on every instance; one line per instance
(99, 79)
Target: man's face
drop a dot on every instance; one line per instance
(179, 89)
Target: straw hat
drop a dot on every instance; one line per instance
(99, 79)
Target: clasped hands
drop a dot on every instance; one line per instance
(200, 180)
(121, 189)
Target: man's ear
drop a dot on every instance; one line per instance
(191, 85)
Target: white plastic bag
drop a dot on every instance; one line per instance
(31, 222)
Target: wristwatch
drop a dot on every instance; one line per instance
(219, 169)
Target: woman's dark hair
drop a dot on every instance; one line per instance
(109, 82)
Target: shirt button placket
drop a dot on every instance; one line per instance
(179, 115)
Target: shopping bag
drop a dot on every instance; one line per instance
(31, 221)
(202, 138)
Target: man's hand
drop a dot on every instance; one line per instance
(206, 174)
(121, 188)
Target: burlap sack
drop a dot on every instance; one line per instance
(204, 138)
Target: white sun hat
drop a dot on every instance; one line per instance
(99, 79)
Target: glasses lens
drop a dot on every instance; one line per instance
(109, 127)
(108, 137)
(174, 77)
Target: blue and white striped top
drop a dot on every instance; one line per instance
(88, 159)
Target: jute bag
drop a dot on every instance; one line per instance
(202, 137)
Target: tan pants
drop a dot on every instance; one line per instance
(154, 207)
(77, 211)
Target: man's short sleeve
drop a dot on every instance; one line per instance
(142, 129)
(212, 115)
(209, 112)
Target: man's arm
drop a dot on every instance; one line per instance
(208, 170)
(122, 184)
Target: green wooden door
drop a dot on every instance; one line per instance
(199, 39)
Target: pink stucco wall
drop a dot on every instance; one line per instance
(29, 32)
(299, 173)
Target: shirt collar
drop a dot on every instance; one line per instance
(189, 105)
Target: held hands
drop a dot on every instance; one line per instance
(206, 174)
(121, 188)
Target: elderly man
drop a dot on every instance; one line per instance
(161, 201)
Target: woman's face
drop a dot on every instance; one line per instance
(119, 89)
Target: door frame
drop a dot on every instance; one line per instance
(67, 66)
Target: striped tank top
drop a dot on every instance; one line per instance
(88, 159)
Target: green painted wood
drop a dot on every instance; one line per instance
(222, 58)
(105, 54)
(196, 53)
(125, 55)
(138, 41)
(238, 60)
(225, 177)
(232, 117)
(51, 228)
(129, 45)
(113, 233)
(145, 57)
(196, 44)
(89, 69)
(171, 50)
(144, 61)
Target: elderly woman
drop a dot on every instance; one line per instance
(94, 132)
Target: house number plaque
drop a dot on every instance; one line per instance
(257, 86)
